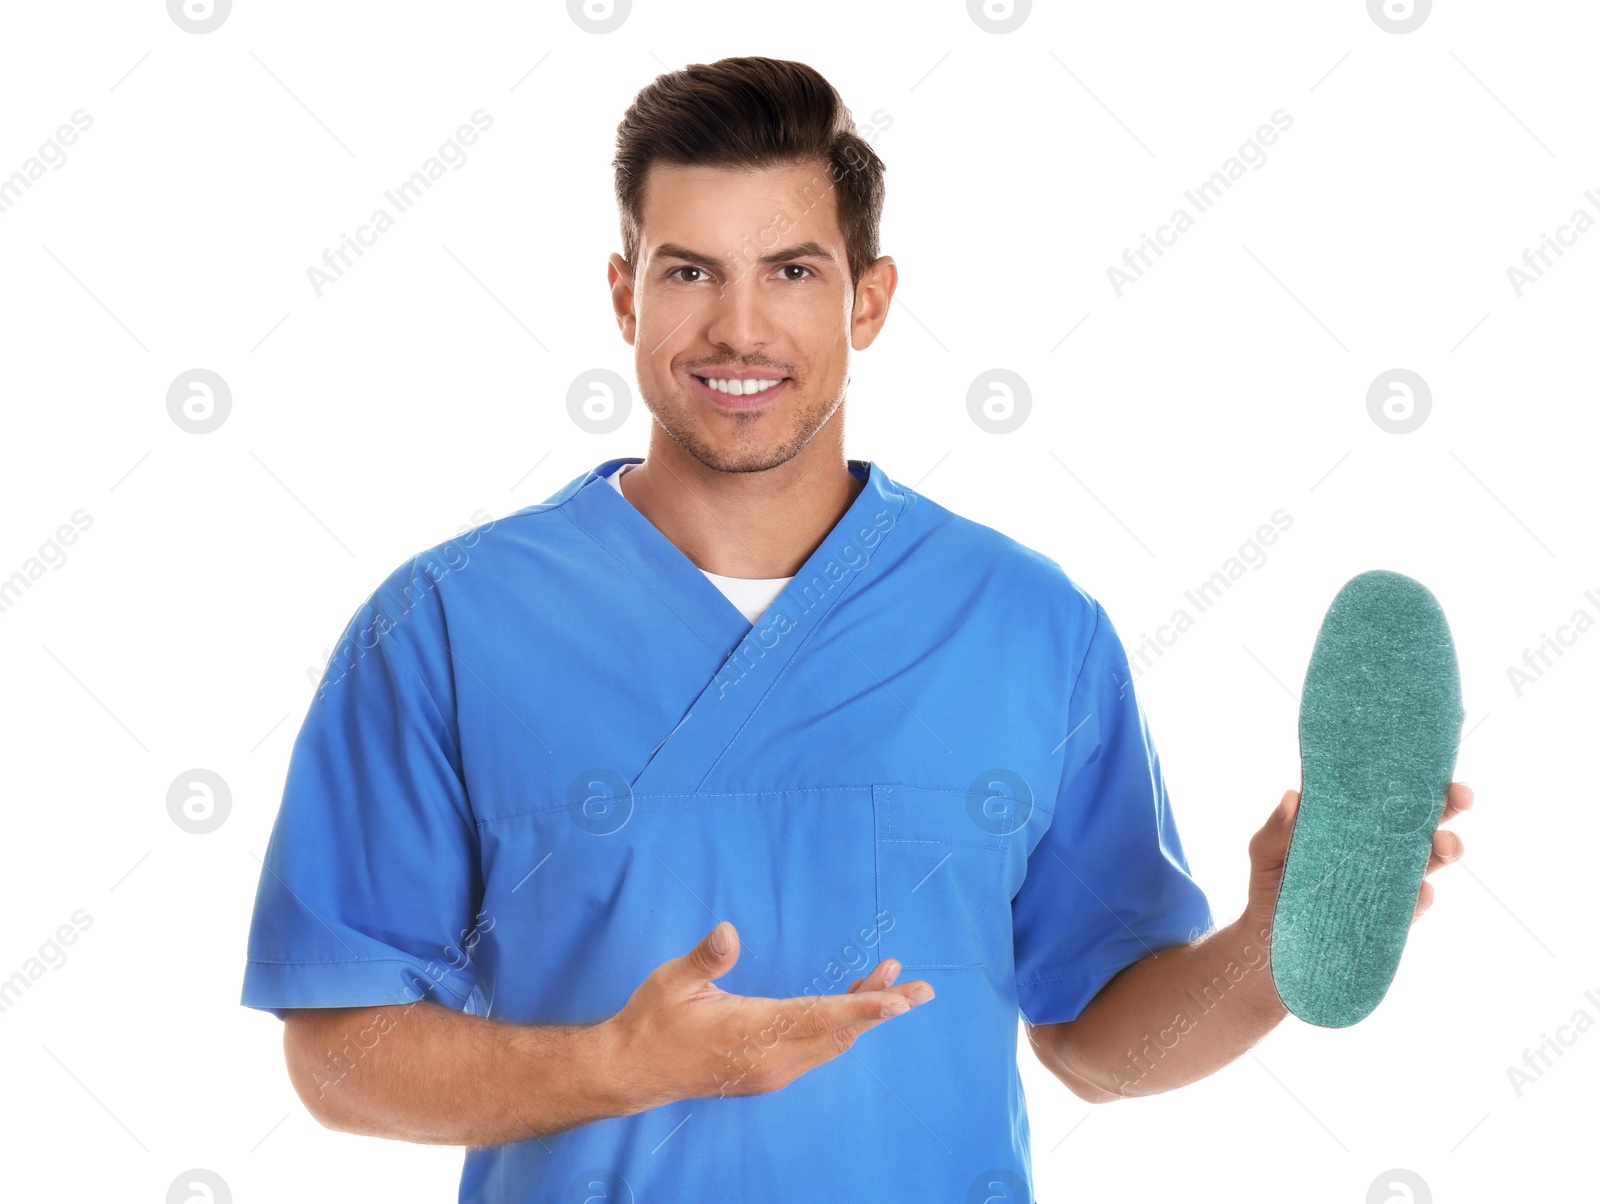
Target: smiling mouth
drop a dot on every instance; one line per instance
(738, 388)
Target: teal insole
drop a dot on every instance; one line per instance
(1380, 724)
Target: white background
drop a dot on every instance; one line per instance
(186, 625)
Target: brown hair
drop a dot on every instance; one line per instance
(750, 113)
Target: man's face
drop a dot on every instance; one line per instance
(742, 277)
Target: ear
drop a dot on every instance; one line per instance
(620, 280)
(871, 306)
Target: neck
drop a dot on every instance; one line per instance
(743, 524)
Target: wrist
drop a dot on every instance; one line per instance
(619, 1066)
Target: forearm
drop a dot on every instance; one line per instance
(422, 1072)
(1167, 1020)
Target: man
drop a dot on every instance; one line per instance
(597, 807)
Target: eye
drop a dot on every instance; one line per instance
(796, 267)
(673, 274)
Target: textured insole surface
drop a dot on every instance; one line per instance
(1380, 724)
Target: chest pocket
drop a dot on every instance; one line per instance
(948, 866)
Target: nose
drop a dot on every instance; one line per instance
(739, 320)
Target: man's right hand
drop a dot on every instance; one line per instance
(680, 1036)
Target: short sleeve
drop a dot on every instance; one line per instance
(371, 877)
(1108, 883)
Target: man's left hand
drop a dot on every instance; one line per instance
(1269, 848)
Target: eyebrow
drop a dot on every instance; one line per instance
(802, 250)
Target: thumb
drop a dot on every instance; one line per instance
(715, 953)
(1270, 847)
(1269, 853)
(1271, 842)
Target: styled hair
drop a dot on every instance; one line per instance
(750, 113)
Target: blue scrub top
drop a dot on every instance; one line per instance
(549, 754)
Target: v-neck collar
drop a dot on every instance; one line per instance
(746, 661)
(660, 565)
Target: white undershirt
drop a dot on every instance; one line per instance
(751, 595)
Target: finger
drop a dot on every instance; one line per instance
(884, 973)
(836, 1021)
(1448, 847)
(826, 1013)
(1456, 800)
(813, 1028)
(1424, 901)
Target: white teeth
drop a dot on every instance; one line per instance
(739, 388)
